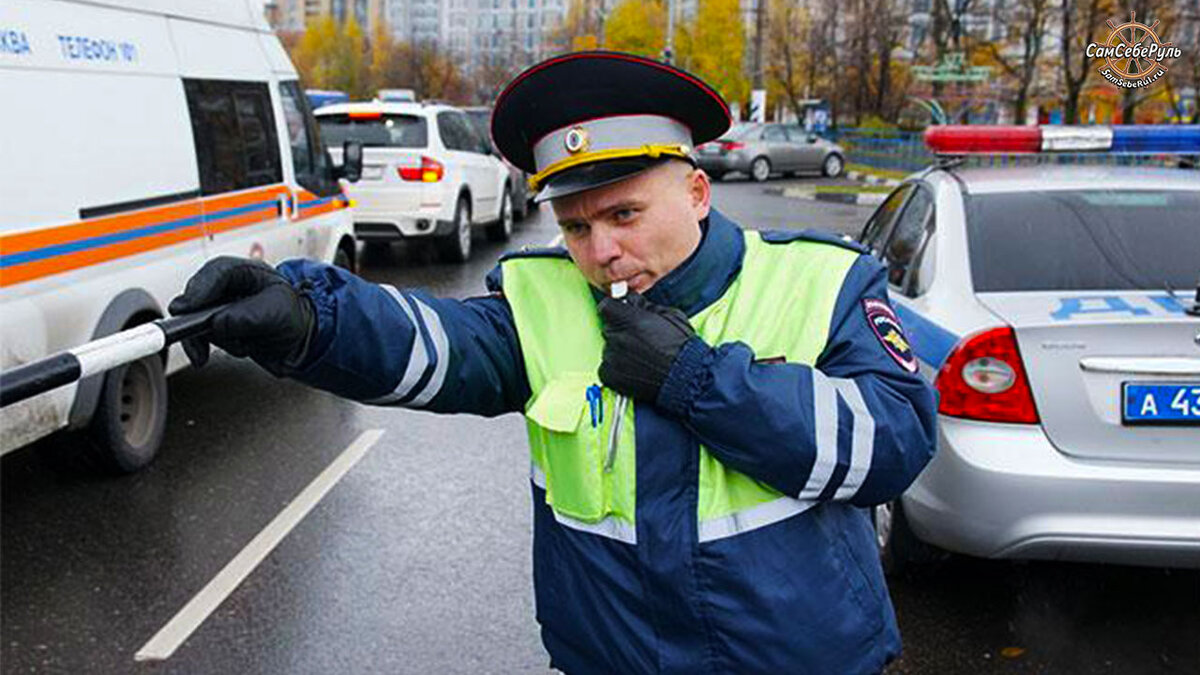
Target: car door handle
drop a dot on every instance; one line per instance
(1141, 365)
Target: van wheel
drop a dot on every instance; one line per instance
(456, 246)
(502, 229)
(900, 551)
(342, 259)
(131, 417)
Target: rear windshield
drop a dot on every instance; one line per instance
(741, 131)
(385, 131)
(1084, 240)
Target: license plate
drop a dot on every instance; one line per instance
(372, 172)
(1160, 403)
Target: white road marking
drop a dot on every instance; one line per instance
(182, 625)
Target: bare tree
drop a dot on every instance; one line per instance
(1023, 66)
(1080, 21)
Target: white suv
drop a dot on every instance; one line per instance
(426, 173)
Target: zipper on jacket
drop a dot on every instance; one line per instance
(614, 432)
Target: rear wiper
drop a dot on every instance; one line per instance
(1194, 309)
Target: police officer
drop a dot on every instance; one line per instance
(702, 450)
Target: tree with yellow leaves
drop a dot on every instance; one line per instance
(333, 56)
(638, 27)
(712, 46)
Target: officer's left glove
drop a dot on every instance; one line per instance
(641, 341)
(265, 317)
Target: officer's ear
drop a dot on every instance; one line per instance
(700, 191)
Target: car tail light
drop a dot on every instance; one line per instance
(429, 171)
(984, 379)
(730, 146)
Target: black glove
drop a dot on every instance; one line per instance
(267, 319)
(641, 341)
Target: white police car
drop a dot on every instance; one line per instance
(1056, 309)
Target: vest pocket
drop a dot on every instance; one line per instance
(573, 451)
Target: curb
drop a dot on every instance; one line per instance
(871, 179)
(852, 198)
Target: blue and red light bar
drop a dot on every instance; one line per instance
(1145, 139)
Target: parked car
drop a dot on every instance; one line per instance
(1040, 301)
(481, 117)
(426, 175)
(764, 149)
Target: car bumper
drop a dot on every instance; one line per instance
(1004, 491)
(390, 213)
(394, 227)
(723, 163)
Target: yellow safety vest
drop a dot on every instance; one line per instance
(780, 305)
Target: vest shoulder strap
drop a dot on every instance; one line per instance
(788, 236)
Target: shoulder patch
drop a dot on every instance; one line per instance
(886, 326)
(788, 236)
(536, 252)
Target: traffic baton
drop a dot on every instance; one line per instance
(101, 355)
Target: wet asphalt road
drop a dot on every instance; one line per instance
(417, 561)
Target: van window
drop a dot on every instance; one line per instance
(234, 132)
(309, 157)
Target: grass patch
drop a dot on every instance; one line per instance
(853, 189)
(886, 173)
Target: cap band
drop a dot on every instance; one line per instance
(616, 137)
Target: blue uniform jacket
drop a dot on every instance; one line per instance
(802, 595)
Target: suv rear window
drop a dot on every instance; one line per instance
(1084, 240)
(384, 131)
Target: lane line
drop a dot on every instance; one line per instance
(182, 625)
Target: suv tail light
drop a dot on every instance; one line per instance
(429, 171)
(730, 146)
(984, 379)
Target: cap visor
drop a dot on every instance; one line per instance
(591, 176)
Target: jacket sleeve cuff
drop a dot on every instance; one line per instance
(690, 375)
(317, 291)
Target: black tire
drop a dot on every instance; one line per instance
(760, 169)
(901, 552)
(343, 260)
(833, 165)
(521, 208)
(502, 229)
(127, 429)
(456, 246)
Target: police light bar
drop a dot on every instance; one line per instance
(1148, 139)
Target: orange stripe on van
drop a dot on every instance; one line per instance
(31, 255)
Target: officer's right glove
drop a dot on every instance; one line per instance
(267, 319)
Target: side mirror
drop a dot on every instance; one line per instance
(352, 161)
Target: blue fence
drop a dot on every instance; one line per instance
(905, 151)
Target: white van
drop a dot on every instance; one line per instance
(140, 138)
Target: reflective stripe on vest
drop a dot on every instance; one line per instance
(780, 305)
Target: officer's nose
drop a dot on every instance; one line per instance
(604, 246)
